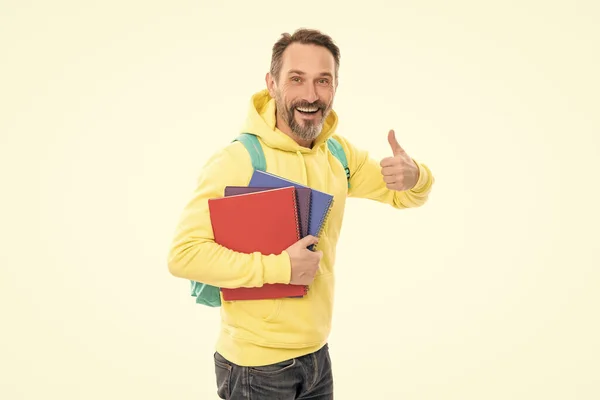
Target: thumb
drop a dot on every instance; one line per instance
(396, 148)
(308, 240)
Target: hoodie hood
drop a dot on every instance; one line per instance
(261, 122)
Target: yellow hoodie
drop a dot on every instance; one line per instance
(261, 332)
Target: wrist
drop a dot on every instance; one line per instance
(422, 177)
(277, 268)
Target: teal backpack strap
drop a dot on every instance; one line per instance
(207, 295)
(210, 295)
(338, 152)
(253, 146)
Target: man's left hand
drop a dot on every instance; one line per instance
(399, 171)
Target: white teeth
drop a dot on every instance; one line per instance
(309, 110)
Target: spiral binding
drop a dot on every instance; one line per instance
(295, 198)
(307, 212)
(324, 219)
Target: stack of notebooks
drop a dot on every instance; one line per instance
(267, 216)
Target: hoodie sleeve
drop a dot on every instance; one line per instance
(366, 180)
(194, 255)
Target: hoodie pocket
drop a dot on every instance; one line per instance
(275, 309)
(242, 313)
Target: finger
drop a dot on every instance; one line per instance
(390, 179)
(308, 240)
(388, 162)
(388, 171)
(317, 255)
(396, 148)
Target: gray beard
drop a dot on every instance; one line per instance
(310, 130)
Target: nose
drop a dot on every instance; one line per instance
(310, 94)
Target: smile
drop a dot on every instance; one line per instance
(307, 110)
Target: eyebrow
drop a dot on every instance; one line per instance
(296, 71)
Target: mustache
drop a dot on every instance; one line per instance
(305, 104)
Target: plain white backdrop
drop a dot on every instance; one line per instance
(490, 291)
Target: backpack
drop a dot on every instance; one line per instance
(210, 295)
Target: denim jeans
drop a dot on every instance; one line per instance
(306, 377)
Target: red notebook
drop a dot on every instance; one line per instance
(264, 222)
(302, 196)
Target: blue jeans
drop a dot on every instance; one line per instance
(306, 377)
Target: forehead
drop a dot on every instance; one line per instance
(308, 58)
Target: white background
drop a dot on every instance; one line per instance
(490, 291)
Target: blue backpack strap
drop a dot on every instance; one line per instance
(210, 295)
(338, 152)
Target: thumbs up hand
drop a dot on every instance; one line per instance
(400, 172)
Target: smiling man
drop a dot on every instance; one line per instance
(278, 349)
(301, 108)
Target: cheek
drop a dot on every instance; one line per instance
(288, 91)
(286, 98)
(326, 94)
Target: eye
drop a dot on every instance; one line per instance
(295, 79)
(323, 81)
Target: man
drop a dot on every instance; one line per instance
(277, 349)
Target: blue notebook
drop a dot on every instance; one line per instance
(320, 202)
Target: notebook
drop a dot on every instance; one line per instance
(302, 197)
(265, 222)
(320, 202)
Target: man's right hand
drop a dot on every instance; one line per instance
(305, 263)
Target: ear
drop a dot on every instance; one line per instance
(270, 82)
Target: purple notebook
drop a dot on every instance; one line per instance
(302, 197)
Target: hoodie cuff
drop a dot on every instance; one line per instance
(423, 178)
(277, 268)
